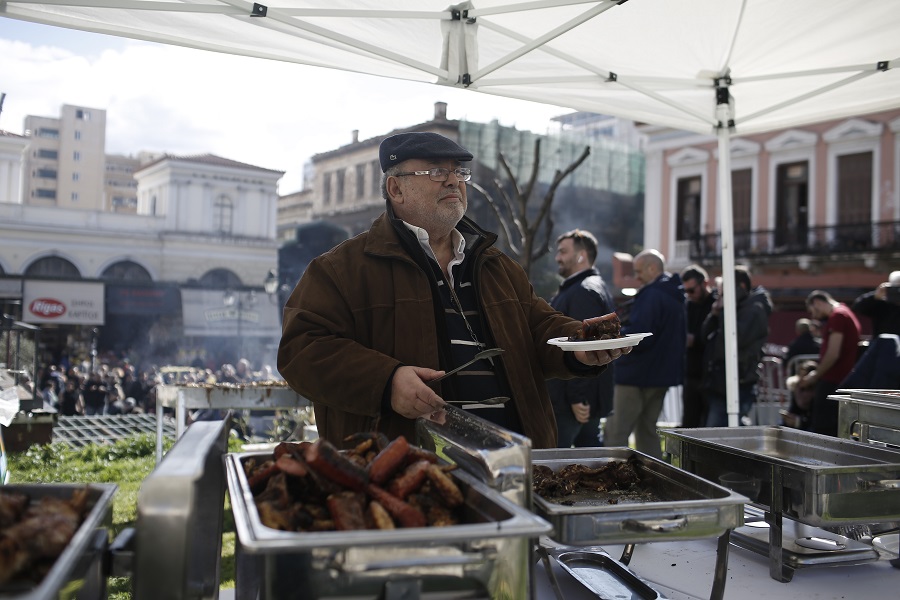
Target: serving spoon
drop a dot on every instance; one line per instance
(489, 353)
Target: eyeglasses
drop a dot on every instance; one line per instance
(441, 174)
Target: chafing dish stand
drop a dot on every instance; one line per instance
(687, 508)
(817, 480)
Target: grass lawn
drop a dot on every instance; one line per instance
(125, 463)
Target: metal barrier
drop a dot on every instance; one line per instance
(79, 431)
(772, 394)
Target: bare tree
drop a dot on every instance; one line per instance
(518, 229)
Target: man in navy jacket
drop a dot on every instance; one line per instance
(579, 404)
(657, 363)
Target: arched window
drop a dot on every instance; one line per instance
(223, 213)
(126, 271)
(52, 266)
(220, 279)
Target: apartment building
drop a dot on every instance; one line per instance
(814, 207)
(64, 161)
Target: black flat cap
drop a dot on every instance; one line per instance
(403, 146)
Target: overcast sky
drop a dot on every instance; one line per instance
(183, 101)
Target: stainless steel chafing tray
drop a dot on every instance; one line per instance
(496, 456)
(871, 416)
(80, 566)
(487, 555)
(815, 479)
(688, 507)
(821, 480)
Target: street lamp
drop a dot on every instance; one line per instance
(234, 299)
(270, 283)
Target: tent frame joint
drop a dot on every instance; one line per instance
(466, 79)
(883, 65)
(612, 78)
(259, 10)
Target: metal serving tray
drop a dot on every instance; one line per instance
(816, 479)
(604, 576)
(492, 454)
(489, 554)
(889, 396)
(689, 507)
(80, 566)
(871, 416)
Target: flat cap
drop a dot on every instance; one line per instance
(403, 146)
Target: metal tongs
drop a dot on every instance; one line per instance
(484, 354)
(489, 353)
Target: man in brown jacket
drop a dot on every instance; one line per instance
(373, 320)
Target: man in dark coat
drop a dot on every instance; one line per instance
(753, 309)
(882, 306)
(656, 364)
(579, 404)
(700, 299)
(377, 318)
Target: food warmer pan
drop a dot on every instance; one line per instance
(486, 556)
(815, 479)
(871, 416)
(674, 504)
(78, 571)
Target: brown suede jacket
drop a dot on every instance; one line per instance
(365, 308)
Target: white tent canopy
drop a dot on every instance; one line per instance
(723, 67)
(653, 61)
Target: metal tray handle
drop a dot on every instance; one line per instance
(660, 525)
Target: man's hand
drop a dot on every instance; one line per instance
(600, 357)
(581, 411)
(412, 398)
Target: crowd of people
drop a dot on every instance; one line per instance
(826, 354)
(424, 290)
(116, 387)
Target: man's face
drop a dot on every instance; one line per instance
(643, 271)
(816, 310)
(694, 290)
(435, 206)
(570, 260)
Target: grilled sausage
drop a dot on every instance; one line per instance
(388, 461)
(331, 464)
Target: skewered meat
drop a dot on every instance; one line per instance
(323, 489)
(388, 461)
(38, 532)
(330, 463)
(605, 327)
(12, 505)
(615, 476)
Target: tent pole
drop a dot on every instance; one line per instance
(725, 115)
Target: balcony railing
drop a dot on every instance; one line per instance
(859, 238)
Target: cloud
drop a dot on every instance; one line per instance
(266, 113)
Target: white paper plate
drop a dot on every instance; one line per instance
(631, 339)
